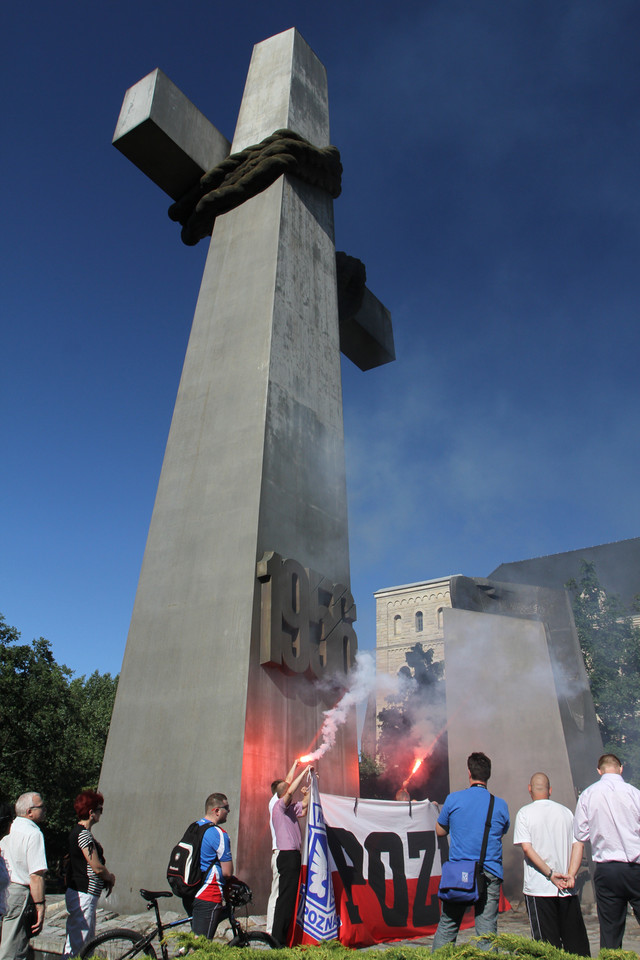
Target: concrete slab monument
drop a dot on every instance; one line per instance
(496, 669)
(516, 688)
(617, 566)
(243, 600)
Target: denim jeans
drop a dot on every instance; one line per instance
(486, 909)
(81, 922)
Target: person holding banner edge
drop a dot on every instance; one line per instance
(285, 815)
(275, 877)
(463, 818)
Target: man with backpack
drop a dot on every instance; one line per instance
(216, 864)
(200, 864)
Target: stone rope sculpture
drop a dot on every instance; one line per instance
(245, 174)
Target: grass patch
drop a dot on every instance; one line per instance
(503, 945)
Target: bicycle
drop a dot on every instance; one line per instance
(122, 944)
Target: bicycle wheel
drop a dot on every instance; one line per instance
(117, 945)
(256, 940)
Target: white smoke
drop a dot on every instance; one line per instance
(362, 680)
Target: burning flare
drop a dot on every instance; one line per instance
(415, 768)
(419, 762)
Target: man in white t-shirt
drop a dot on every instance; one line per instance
(552, 858)
(23, 852)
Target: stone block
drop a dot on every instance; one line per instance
(166, 136)
(367, 338)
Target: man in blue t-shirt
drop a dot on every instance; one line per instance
(216, 865)
(463, 818)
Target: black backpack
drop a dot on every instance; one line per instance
(183, 872)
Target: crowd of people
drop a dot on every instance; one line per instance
(551, 838)
(216, 864)
(23, 869)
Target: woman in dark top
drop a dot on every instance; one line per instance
(87, 874)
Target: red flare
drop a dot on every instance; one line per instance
(419, 762)
(306, 758)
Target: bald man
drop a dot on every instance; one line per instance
(552, 858)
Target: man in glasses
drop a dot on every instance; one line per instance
(216, 864)
(24, 855)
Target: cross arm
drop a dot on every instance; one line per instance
(366, 338)
(166, 136)
(366, 333)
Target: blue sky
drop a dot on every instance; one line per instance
(492, 187)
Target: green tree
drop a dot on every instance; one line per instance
(611, 649)
(370, 770)
(53, 731)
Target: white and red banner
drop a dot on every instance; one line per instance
(384, 860)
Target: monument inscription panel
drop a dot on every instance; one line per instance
(307, 622)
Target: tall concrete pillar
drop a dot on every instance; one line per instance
(209, 699)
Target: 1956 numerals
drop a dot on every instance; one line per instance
(306, 622)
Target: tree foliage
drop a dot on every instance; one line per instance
(370, 770)
(611, 649)
(53, 731)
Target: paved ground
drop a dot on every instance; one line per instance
(49, 945)
(516, 921)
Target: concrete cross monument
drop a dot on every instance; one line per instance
(243, 602)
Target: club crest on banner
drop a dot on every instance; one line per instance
(317, 915)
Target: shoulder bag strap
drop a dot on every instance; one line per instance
(486, 833)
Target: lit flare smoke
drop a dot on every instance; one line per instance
(362, 680)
